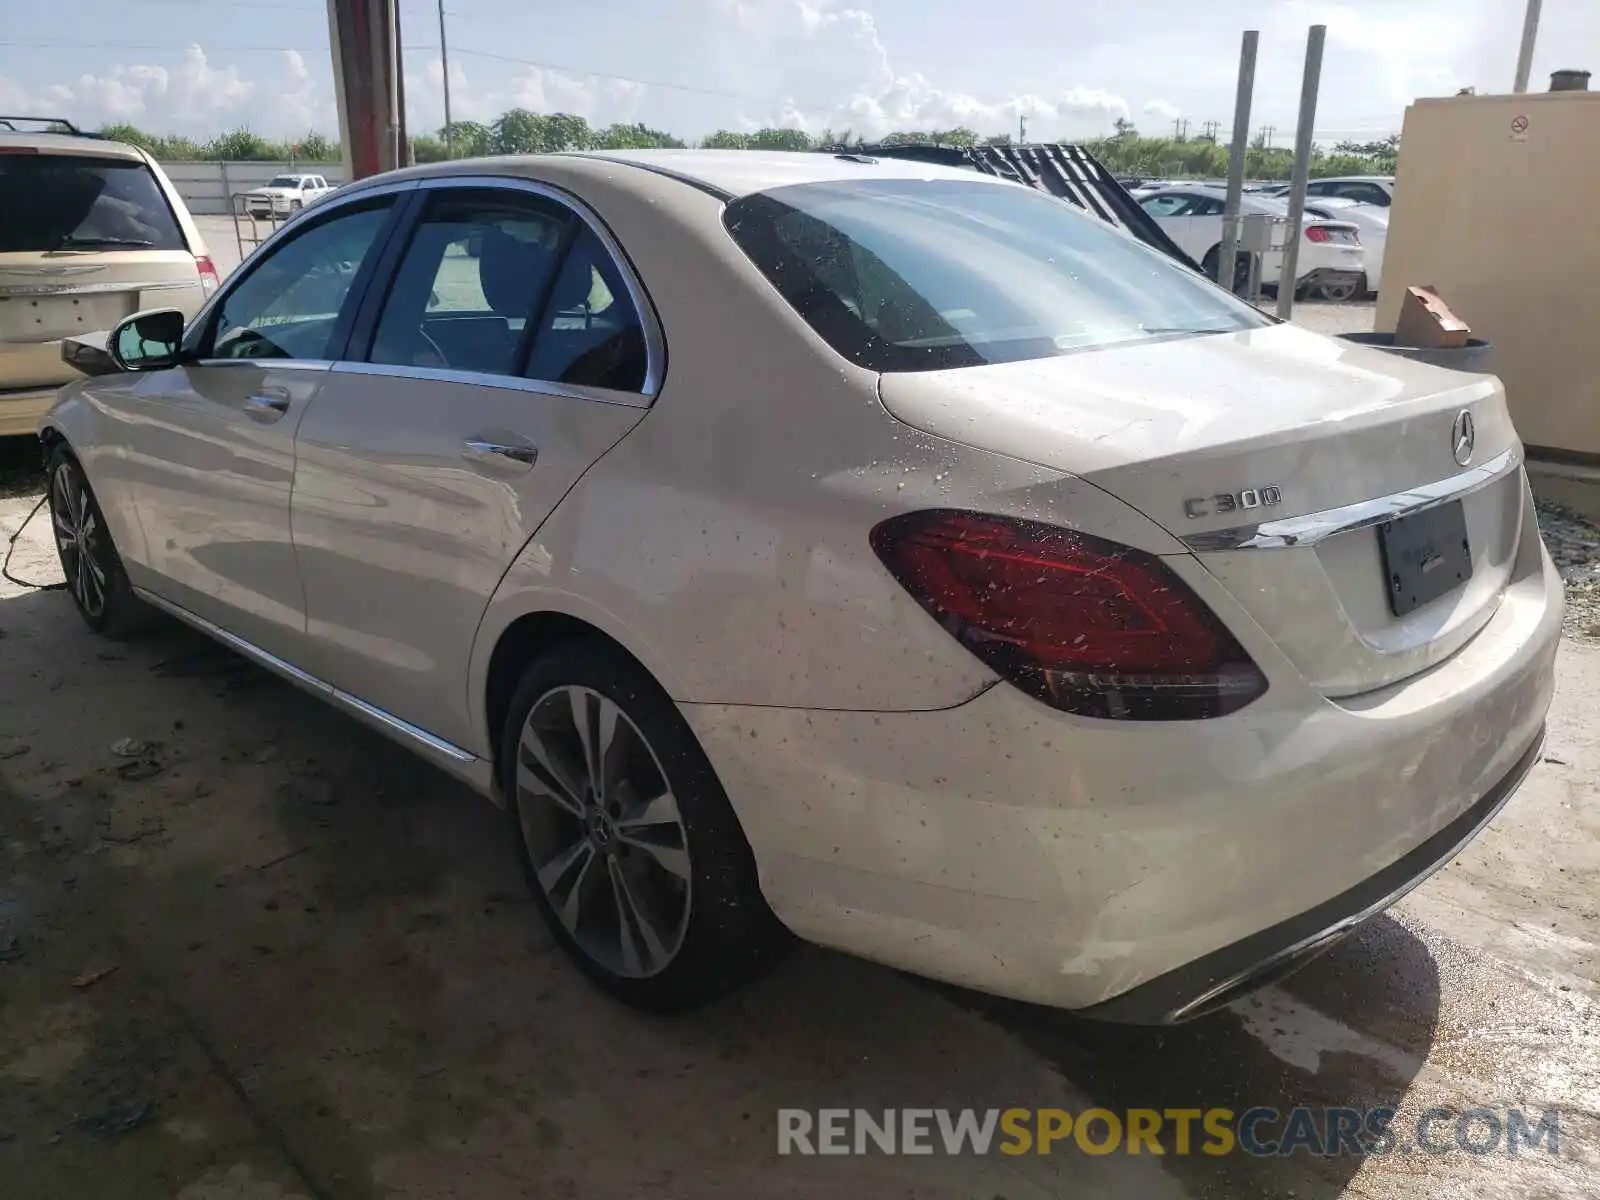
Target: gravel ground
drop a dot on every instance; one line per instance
(1574, 544)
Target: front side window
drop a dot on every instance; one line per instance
(288, 304)
(82, 202)
(918, 275)
(478, 268)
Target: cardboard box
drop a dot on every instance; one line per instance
(1426, 322)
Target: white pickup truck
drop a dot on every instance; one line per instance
(285, 194)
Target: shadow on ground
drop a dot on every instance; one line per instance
(329, 983)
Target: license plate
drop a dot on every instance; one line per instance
(1425, 556)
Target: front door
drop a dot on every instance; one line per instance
(207, 448)
(506, 357)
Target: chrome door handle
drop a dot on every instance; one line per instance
(476, 451)
(266, 407)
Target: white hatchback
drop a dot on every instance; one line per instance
(876, 551)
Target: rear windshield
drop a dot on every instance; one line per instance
(921, 275)
(62, 201)
(284, 181)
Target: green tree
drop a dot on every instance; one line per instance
(130, 134)
(1125, 128)
(243, 146)
(518, 131)
(997, 139)
(780, 139)
(634, 137)
(724, 139)
(427, 149)
(316, 147)
(959, 136)
(469, 139)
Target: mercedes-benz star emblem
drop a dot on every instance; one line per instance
(1462, 437)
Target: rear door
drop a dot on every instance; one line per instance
(491, 382)
(86, 238)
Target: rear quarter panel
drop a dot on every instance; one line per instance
(725, 540)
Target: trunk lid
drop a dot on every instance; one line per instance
(46, 297)
(1212, 436)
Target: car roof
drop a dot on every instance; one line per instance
(730, 173)
(1354, 179)
(66, 143)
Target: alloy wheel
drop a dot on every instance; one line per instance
(603, 831)
(80, 540)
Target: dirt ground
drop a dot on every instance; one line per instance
(267, 955)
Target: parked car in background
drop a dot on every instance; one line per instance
(876, 549)
(90, 231)
(1377, 190)
(1330, 261)
(285, 194)
(1372, 222)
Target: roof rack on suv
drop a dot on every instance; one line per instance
(8, 121)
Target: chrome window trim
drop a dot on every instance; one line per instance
(654, 340)
(512, 383)
(403, 729)
(1314, 527)
(266, 364)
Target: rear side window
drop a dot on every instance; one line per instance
(919, 275)
(590, 333)
(475, 272)
(64, 201)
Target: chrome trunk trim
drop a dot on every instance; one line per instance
(1312, 528)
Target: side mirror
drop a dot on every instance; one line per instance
(87, 353)
(148, 341)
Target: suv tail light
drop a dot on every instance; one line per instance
(1088, 626)
(1316, 233)
(210, 281)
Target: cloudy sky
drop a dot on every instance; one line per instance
(870, 66)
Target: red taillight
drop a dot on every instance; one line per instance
(19, 149)
(1316, 233)
(1085, 625)
(210, 281)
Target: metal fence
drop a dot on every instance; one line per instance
(206, 187)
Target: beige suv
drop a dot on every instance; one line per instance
(91, 231)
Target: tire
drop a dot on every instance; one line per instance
(1241, 269)
(294, 207)
(1338, 293)
(96, 580)
(697, 926)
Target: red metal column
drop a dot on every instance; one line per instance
(364, 36)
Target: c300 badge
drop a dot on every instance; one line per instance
(1266, 496)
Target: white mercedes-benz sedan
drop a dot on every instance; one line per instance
(878, 552)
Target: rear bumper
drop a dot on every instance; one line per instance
(1007, 847)
(21, 412)
(1213, 981)
(1329, 277)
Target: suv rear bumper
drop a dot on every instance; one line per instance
(20, 412)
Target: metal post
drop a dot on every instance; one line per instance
(1530, 33)
(444, 65)
(1302, 170)
(1229, 254)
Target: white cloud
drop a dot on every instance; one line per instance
(1164, 109)
(192, 97)
(835, 55)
